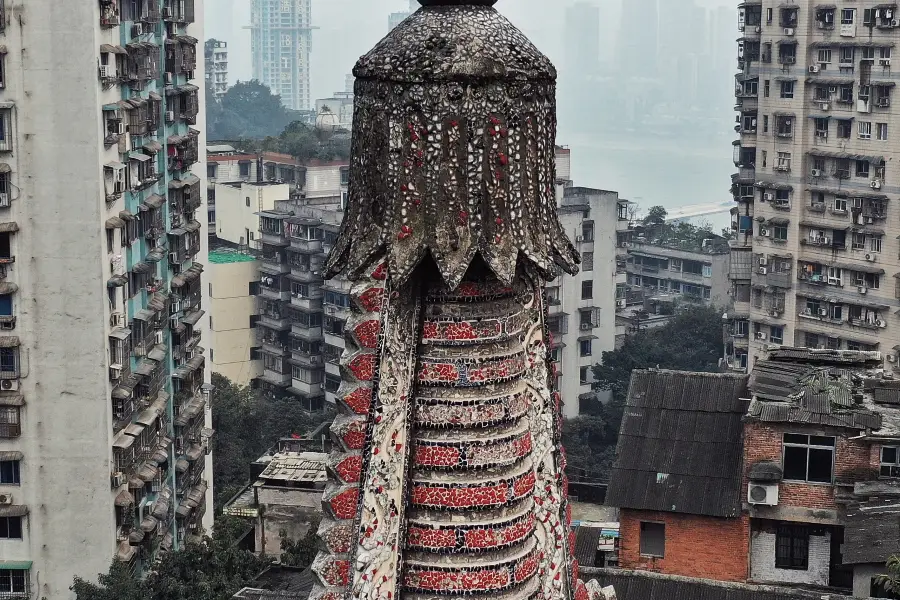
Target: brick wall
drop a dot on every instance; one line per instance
(853, 460)
(696, 546)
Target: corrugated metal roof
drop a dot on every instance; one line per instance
(680, 444)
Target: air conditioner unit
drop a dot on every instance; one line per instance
(621, 303)
(763, 261)
(625, 245)
(763, 232)
(892, 358)
(6, 499)
(118, 479)
(121, 128)
(761, 335)
(824, 106)
(159, 337)
(166, 12)
(823, 241)
(862, 289)
(105, 71)
(774, 313)
(768, 197)
(116, 319)
(115, 372)
(876, 184)
(765, 494)
(816, 172)
(154, 487)
(871, 257)
(758, 29)
(9, 385)
(169, 78)
(788, 31)
(170, 116)
(173, 257)
(586, 327)
(885, 62)
(881, 324)
(895, 23)
(823, 312)
(763, 271)
(814, 68)
(137, 29)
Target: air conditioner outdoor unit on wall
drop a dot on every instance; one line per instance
(761, 335)
(6, 499)
(764, 494)
(9, 385)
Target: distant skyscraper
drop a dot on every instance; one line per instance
(280, 44)
(396, 18)
(639, 38)
(216, 57)
(582, 33)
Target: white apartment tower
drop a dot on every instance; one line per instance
(818, 182)
(103, 425)
(280, 43)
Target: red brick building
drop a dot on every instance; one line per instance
(677, 476)
(819, 439)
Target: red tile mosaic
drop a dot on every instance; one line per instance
(367, 333)
(349, 469)
(343, 506)
(426, 537)
(359, 400)
(524, 485)
(438, 372)
(489, 537)
(526, 569)
(437, 456)
(497, 369)
(337, 538)
(363, 367)
(372, 299)
(458, 581)
(460, 497)
(335, 572)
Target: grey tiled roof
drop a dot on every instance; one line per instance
(642, 585)
(872, 530)
(587, 539)
(680, 444)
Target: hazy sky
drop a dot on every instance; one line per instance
(348, 28)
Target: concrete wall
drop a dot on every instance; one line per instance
(696, 546)
(762, 560)
(234, 218)
(862, 578)
(61, 307)
(324, 181)
(292, 511)
(230, 308)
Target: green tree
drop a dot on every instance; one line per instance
(248, 423)
(213, 569)
(655, 216)
(589, 448)
(249, 109)
(891, 581)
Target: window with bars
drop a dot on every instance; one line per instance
(10, 427)
(792, 547)
(890, 461)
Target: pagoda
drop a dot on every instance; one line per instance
(448, 478)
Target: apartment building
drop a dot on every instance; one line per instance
(662, 273)
(215, 55)
(398, 17)
(233, 279)
(280, 44)
(103, 425)
(816, 260)
(583, 307)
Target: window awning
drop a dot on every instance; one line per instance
(134, 429)
(148, 472)
(188, 87)
(138, 156)
(857, 268)
(156, 255)
(115, 165)
(145, 368)
(111, 49)
(193, 318)
(142, 267)
(181, 465)
(784, 113)
(152, 146)
(14, 510)
(868, 230)
(114, 223)
(154, 96)
(158, 353)
(116, 281)
(15, 565)
(9, 227)
(174, 140)
(123, 441)
(11, 455)
(9, 341)
(125, 552)
(154, 201)
(585, 338)
(5, 168)
(194, 453)
(126, 215)
(187, 39)
(8, 288)
(120, 333)
(779, 221)
(14, 400)
(875, 160)
(124, 498)
(192, 226)
(773, 185)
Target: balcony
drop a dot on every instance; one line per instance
(302, 388)
(306, 359)
(310, 334)
(306, 246)
(274, 347)
(305, 303)
(306, 273)
(275, 378)
(275, 265)
(274, 321)
(274, 238)
(274, 293)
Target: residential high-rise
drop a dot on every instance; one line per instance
(281, 41)
(582, 43)
(816, 258)
(638, 39)
(103, 425)
(216, 61)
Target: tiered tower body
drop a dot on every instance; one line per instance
(449, 476)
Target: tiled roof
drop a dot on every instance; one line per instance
(643, 585)
(587, 539)
(281, 583)
(872, 531)
(680, 445)
(829, 394)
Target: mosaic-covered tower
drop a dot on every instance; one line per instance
(449, 475)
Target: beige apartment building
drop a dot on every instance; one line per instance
(233, 278)
(816, 262)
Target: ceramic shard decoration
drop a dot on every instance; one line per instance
(449, 477)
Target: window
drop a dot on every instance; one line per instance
(844, 127)
(9, 472)
(587, 261)
(707, 270)
(765, 123)
(808, 458)
(765, 156)
(585, 347)
(13, 581)
(881, 131)
(859, 241)
(584, 375)
(783, 161)
(848, 15)
(840, 204)
(890, 461)
(587, 290)
(787, 89)
(821, 127)
(244, 169)
(865, 130)
(10, 529)
(792, 547)
(587, 231)
(653, 538)
(875, 243)
(862, 168)
(824, 55)
(6, 133)
(9, 422)
(776, 334)
(766, 88)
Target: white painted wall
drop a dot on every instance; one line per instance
(230, 309)
(234, 217)
(762, 560)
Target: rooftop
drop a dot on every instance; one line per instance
(296, 467)
(872, 533)
(645, 585)
(222, 257)
(680, 445)
(279, 583)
